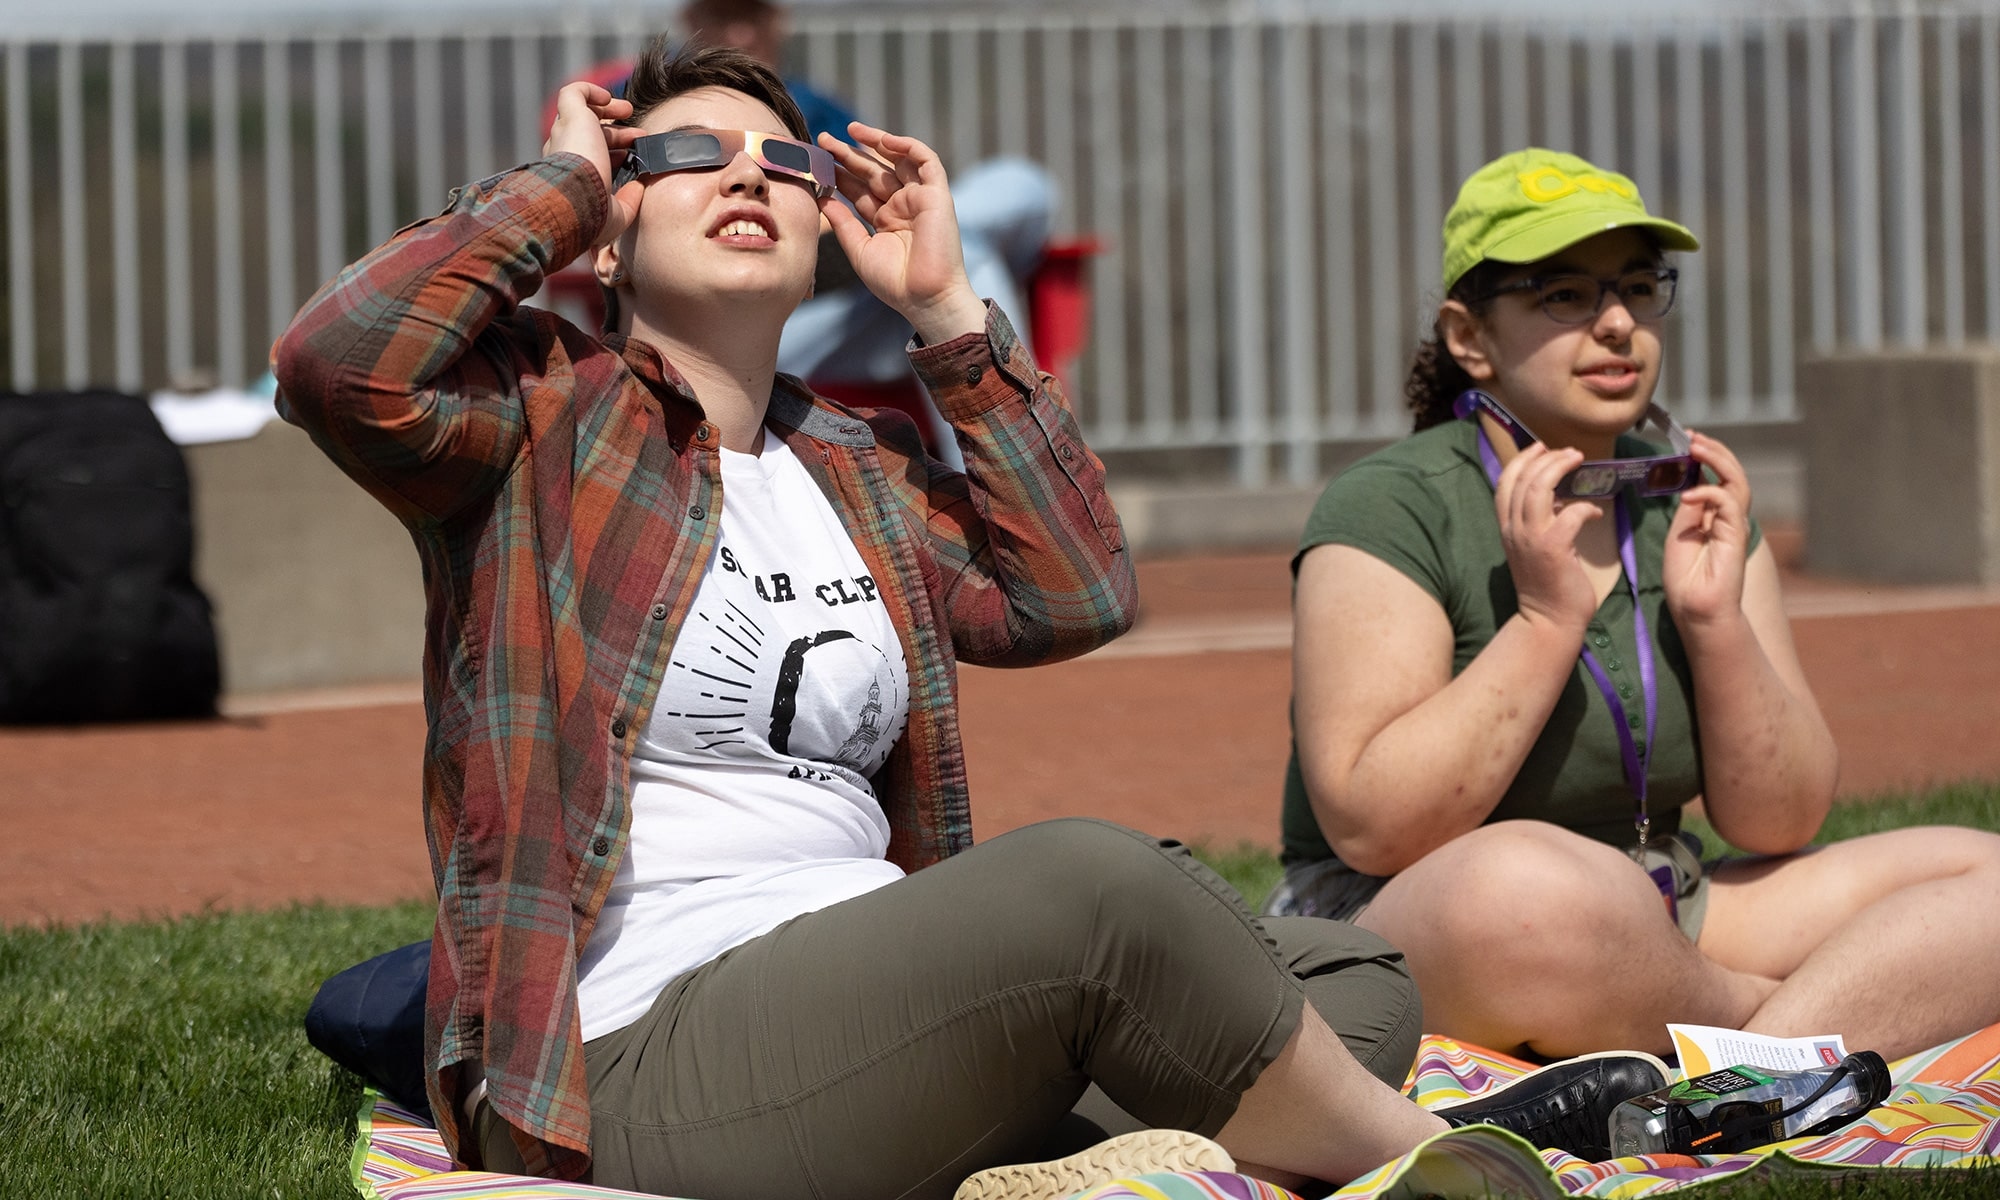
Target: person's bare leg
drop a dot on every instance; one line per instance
(1317, 1114)
(1525, 937)
(1892, 940)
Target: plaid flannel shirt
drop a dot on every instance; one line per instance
(563, 492)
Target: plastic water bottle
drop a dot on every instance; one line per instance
(1743, 1106)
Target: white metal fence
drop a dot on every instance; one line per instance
(1268, 191)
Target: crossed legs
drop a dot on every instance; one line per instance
(893, 1044)
(1892, 940)
(1525, 936)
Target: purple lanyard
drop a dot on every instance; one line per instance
(1635, 759)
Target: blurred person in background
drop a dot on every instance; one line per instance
(759, 29)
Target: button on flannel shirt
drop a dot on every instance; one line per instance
(562, 490)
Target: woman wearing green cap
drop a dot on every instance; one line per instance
(1512, 672)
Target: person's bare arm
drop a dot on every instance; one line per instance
(1399, 757)
(1768, 760)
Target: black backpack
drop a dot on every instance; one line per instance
(100, 618)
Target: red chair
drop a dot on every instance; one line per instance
(1059, 304)
(574, 293)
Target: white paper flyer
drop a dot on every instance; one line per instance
(1705, 1048)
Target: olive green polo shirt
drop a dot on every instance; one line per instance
(1424, 506)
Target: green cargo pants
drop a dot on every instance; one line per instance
(891, 1045)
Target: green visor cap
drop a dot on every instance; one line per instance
(1523, 207)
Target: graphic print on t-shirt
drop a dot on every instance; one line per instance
(736, 663)
(788, 654)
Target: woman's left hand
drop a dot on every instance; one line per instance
(1709, 541)
(912, 261)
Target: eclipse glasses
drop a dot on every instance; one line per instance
(1575, 299)
(1653, 475)
(703, 149)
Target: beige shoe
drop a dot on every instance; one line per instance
(1128, 1154)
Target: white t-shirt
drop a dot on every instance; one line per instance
(785, 690)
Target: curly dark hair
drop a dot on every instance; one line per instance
(1435, 378)
(665, 70)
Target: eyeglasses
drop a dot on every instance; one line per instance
(701, 149)
(1653, 475)
(1567, 299)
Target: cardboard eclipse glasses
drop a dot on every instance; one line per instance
(703, 149)
(1653, 475)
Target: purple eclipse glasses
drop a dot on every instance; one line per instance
(1653, 475)
(702, 149)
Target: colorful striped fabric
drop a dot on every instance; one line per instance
(1200, 1185)
(1944, 1111)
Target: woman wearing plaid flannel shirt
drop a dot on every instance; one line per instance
(690, 682)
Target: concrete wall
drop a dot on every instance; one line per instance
(314, 583)
(1902, 460)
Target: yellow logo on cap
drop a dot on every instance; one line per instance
(1546, 184)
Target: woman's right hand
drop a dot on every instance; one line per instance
(1539, 534)
(583, 125)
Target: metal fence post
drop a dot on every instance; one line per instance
(1249, 381)
(20, 222)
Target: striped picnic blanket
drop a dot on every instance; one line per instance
(1943, 1111)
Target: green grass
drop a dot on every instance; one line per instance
(1252, 870)
(1972, 804)
(1983, 1184)
(167, 1058)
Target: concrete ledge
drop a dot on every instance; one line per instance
(1902, 454)
(313, 582)
(1166, 518)
(315, 585)
(1777, 483)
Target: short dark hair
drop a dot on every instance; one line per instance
(665, 70)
